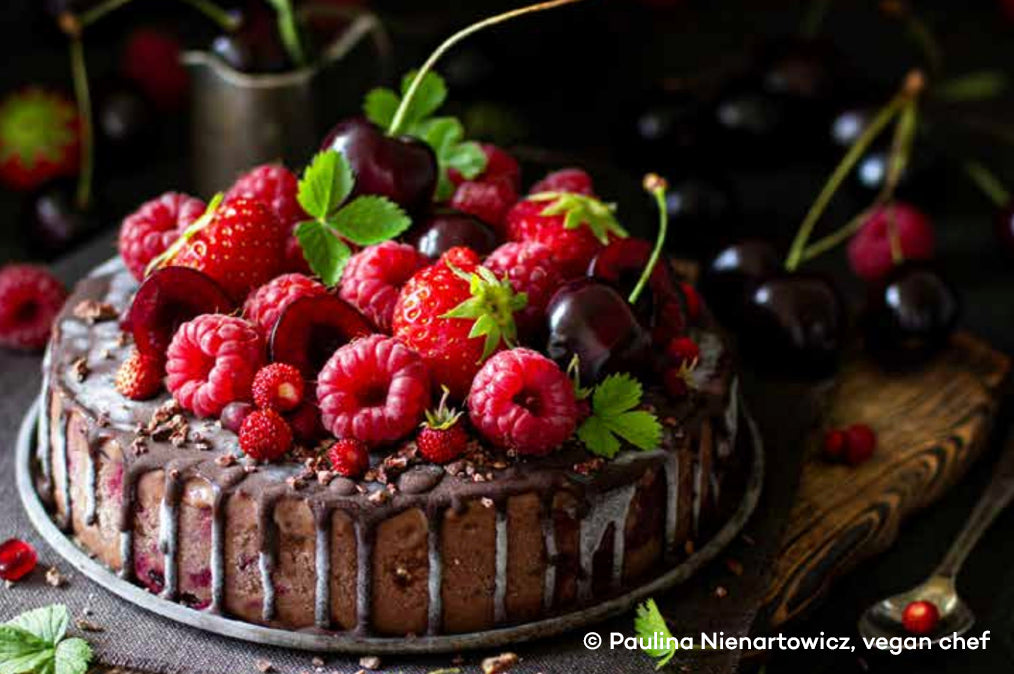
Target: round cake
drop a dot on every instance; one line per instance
(165, 499)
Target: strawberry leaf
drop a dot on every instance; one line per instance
(380, 105)
(73, 656)
(614, 417)
(369, 220)
(429, 96)
(324, 251)
(648, 622)
(583, 210)
(325, 184)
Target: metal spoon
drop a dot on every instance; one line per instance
(883, 619)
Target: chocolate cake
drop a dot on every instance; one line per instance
(412, 548)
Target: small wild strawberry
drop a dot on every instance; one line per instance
(443, 437)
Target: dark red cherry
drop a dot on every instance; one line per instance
(794, 323)
(310, 330)
(910, 315)
(234, 414)
(17, 559)
(255, 47)
(403, 169)
(446, 228)
(124, 119)
(704, 212)
(593, 321)
(168, 298)
(54, 222)
(731, 276)
(662, 125)
(751, 120)
(1003, 227)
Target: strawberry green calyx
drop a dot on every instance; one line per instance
(36, 125)
(491, 307)
(196, 226)
(444, 416)
(582, 210)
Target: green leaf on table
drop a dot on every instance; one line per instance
(33, 643)
(369, 220)
(324, 251)
(614, 417)
(48, 623)
(73, 656)
(648, 622)
(326, 183)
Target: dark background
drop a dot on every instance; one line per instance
(564, 88)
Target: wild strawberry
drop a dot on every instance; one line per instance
(278, 386)
(241, 246)
(30, 299)
(153, 227)
(349, 457)
(442, 438)
(264, 435)
(374, 276)
(17, 559)
(683, 350)
(870, 250)
(140, 376)
(455, 314)
(679, 380)
(574, 227)
(40, 138)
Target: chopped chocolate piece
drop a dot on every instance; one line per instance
(174, 473)
(139, 446)
(325, 476)
(122, 339)
(721, 592)
(54, 578)
(370, 662)
(499, 663)
(294, 482)
(487, 502)
(93, 311)
(734, 566)
(380, 497)
(317, 662)
(79, 368)
(264, 666)
(88, 626)
(225, 460)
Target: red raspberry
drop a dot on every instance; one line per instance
(278, 386)
(374, 277)
(683, 350)
(276, 187)
(148, 231)
(499, 166)
(860, 444)
(151, 59)
(487, 200)
(443, 437)
(211, 362)
(264, 435)
(375, 390)
(530, 269)
(140, 376)
(349, 457)
(521, 400)
(30, 299)
(295, 262)
(834, 444)
(264, 305)
(869, 251)
(565, 180)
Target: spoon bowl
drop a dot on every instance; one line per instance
(883, 619)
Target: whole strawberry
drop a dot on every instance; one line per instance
(241, 246)
(443, 437)
(40, 138)
(455, 314)
(575, 227)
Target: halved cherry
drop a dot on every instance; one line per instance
(310, 330)
(169, 297)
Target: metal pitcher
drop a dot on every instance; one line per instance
(240, 120)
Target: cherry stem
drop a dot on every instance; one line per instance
(901, 149)
(79, 73)
(918, 29)
(225, 20)
(656, 185)
(894, 238)
(988, 183)
(399, 115)
(99, 11)
(289, 31)
(837, 237)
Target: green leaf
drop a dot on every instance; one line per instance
(324, 251)
(597, 437)
(33, 661)
(326, 183)
(648, 621)
(380, 105)
(369, 220)
(639, 428)
(614, 417)
(73, 656)
(430, 95)
(15, 641)
(468, 159)
(616, 394)
(48, 623)
(583, 210)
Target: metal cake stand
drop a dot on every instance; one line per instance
(345, 642)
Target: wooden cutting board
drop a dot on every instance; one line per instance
(931, 424)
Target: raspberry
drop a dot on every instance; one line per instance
(295, 262)
(489, 201)
(860, 443)
(499, 166)
(278, 386)
(374, 277)
(529, 267)
(349, 457)
(375, 390)
(264, 305)
(149, 230)
(30, 299)
(869, 251)
(521, 400)
(140, 376)
(211, 362)
(565, 180)
(264, 435)
(276, 187)
(683, 350)
(151, 59)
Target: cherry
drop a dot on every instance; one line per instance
(795, 322)
(54, 222)
(234, 415)
(803, 71)
(911, 314)
(446, 228)
(255, 47)
(734, 272)
(167, 298)
(1003, 227)
(593, 321)
(752, 121)
(703, 210)
(17, 559)
(403, 169)
(124, 119)
(310, 330)
(663, 125)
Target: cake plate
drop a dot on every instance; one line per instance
(750, 448)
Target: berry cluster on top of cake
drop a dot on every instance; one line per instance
(393, 395)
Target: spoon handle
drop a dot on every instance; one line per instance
(997, 496)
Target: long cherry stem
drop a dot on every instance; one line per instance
(399, 114)
(988, 183)
(79, 74)
(657, 186)
(226, 21)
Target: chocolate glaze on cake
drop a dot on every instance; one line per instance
(167, 501)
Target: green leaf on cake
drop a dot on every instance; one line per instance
(326, 183)
(324, 251)
(370, 219)
(614, 418)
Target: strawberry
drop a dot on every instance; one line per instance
(40, 138)
(239, 244)
(455, 314)
(442, 438)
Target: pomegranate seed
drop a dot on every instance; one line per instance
(860, 444)
(17, 559)
(920, 617)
